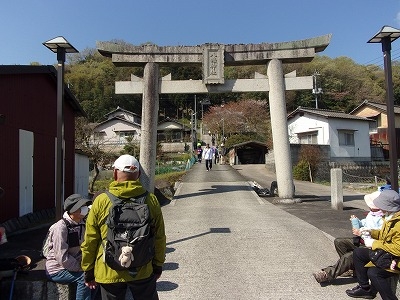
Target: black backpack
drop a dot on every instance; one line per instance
(129, 224)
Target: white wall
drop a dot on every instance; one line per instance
(109, 128)
(361, 146)
(81, 175)
(327, 129)
(302, 124)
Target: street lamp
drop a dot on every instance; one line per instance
(60, 46)
(204, 102)
(386, 36)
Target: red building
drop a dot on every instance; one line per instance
(28, 130)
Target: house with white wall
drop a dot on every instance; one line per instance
(112, 133)
(347, 135)
(120, 124)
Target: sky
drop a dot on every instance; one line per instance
(26, 24)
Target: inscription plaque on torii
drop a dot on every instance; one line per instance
(213, 58)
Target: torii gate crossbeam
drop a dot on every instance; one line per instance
(167, 86)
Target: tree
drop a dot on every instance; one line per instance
(309, 158)
(94, 148)
(245, 118)
(132, 147)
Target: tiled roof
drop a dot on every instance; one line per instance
(378, 106)
(326, 113)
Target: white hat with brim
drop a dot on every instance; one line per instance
(388, 200)
(369, 198)
(127, 163)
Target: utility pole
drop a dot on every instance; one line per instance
(191, 131)
(316, 90)
(195, 120)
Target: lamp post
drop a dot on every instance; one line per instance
(386, 36)
(204, 102)
(195, 121)
(60, 46)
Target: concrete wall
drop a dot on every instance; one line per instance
(173, 147)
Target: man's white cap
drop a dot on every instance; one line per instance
(127, 163)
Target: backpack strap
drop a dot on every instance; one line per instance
(70, 226)
(138, 199)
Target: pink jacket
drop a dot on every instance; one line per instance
(62, 257)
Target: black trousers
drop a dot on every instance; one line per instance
(208, 164)
(379, 277)
(144, 289)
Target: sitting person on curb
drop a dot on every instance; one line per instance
(63, 261)
(345, 246)
(370, 277)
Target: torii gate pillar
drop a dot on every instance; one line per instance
(148, 143)
(277, 104)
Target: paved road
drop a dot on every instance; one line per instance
(225, 242)
(315, 207)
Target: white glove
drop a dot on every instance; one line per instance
(368, 242)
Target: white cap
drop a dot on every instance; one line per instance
(369, 198)
(127, 163)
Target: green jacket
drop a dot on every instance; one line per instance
(388, 238)
(96, 233)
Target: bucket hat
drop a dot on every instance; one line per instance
(75, 202)
(388, 200)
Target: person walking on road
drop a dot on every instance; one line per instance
(114, 284)
(199, 152)
(374, 277)
(208, 156)
(345, 246)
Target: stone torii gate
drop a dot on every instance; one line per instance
(213, 58)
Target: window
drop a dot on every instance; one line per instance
(308, 137)
(99, 135)
(127, 133)
(346, 137)
(373, 126)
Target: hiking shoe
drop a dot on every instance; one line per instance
(348, 273)
(321, 276)
(360, 292)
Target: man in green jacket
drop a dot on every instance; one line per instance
(114, 283)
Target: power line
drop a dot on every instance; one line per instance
(379, 60)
